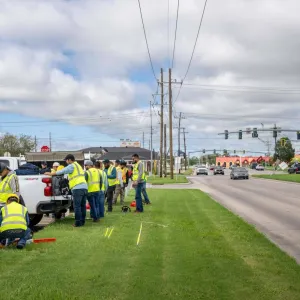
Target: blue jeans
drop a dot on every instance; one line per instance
(101, 204)
(138, 197)
(144, 192)
(79, 202)
(23, 237)
(94, 200)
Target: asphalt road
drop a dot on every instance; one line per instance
(273, 207)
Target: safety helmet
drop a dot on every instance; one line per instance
(12, 196)
(56, 164)
(88, 163)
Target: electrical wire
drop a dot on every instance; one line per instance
(190, 62)
(145, 35)
(174, 47)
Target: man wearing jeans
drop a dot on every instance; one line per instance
(93, 179)
(111, 173)
(138, 178)
(103, 188)
(78, 187)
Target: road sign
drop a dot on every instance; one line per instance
(283, 166)
(45, 149)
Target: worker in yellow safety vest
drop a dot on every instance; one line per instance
(125, 178)
(138, 178)
(103, 187)
(55, 167)
(111, 173)
(78, 186)
(93, 179)
(14, 222)
(9, 183)
(119, 183)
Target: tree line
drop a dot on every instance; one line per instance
(16, 144)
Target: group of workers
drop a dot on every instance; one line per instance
(100, 180)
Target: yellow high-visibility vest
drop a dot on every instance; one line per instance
(104, 179)
(135, 174)
(13, 217)
(118, 171)
(60, 168)
(93, 180)
(124, 172)
(111, 182)
(5, 187)
(77, 177)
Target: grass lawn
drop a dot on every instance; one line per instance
(283, 177)
(156, 180)
(188, 172)
(205, 252)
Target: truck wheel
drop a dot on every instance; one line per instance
(35, 219)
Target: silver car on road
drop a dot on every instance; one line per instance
(239, 173)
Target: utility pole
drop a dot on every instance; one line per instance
(151, 139)
(171, 124)
(165, 150)
(50, 142)
(161, 121)
(184, 141)
(143, 139)
(35, 144)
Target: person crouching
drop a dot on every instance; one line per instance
(14, 222)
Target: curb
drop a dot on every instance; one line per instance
(282, 181)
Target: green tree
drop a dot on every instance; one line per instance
(16, 145)
(194, 160)
(284, 150)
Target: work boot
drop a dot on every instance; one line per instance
(20, 246)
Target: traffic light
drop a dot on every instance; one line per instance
(275, 133)
(240, 134)
(234, 151)
(244, 151)
(214, 151)
(225, 151)
(255, 134)
(283, 142)
(226, 134)
(203, 150)
(298, 135)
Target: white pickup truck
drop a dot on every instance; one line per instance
(38, 193)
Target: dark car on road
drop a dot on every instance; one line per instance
(294, 169)
(218, 170)
(239, 173)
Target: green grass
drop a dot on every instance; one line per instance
(206, 252)
(188, 172)
(167, 180)
(282, 177)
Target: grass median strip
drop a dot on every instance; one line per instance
(156, 180)
(191, 248)
(282, 177)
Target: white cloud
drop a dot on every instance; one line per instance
(241, 43)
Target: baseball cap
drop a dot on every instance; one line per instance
(3, 166)
(118, 161)
(44, 163)
(56, 164)
(70, 156)
(88, 163)
(106, 161)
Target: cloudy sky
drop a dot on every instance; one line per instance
(80, 69)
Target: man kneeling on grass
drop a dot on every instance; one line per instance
(14, 222)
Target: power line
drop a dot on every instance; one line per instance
(190, 62)
(145, 35)
(175, 34)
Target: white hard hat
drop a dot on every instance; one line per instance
(56, 164)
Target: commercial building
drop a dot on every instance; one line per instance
(235, 160)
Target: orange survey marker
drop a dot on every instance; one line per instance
(46, 240)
